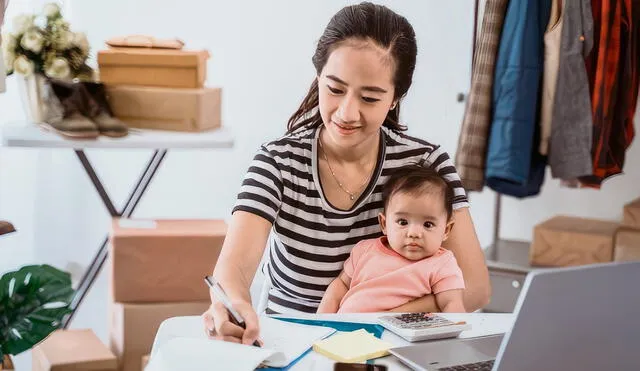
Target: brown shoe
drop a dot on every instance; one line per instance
(6, 227)
(74, 126)
(99, 111)
(63, 111)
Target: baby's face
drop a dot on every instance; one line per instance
(415, 226)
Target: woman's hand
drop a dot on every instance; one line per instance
(235, 269)
(219, 327)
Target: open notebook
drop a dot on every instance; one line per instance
(284, 343)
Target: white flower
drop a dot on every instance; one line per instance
(59, 69)
(32, 40)
(23, 66)
(51, 10)
(80, 40)
(9, 42)
(21, 23)
(9, 58)
(66, 39)
(8, 50)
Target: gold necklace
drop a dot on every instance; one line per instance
(352, 195)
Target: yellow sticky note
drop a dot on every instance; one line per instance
(350, 347)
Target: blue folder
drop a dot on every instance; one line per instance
(376, 330)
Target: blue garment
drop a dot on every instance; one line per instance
(516, 92)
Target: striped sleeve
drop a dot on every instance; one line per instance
(261, 190)
(439, 160)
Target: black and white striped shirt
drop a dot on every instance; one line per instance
(310, 238)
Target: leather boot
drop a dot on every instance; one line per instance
(100, 111)
(6, 227)
(63, 107)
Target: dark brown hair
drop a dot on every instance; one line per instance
(417, 179)
(363, 21)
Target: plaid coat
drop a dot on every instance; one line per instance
(472, 144)
(614, 76)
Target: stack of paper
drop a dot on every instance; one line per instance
(284, 344)
(350, 347)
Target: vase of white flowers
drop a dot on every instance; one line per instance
(41, 45)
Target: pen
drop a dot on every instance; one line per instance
(220, 295)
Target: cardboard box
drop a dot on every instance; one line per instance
(133, 328)
(631, 215)
(153, 67)
(189, 110)
(67, 350)
(163, 260)
(145, 361)
(567, 241)
(626, 244)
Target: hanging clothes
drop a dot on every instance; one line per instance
(552, 40)
(472, 144)
(514, 166)
(613, 69)
(572, 124)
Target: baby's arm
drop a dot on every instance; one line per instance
(335, 292)
(426, 303)
(451, 301)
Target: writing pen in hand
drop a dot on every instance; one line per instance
(222, 297)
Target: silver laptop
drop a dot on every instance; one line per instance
(579, 318)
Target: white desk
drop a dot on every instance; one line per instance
(483, 324)
(29, 135)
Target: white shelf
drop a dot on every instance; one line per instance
(28, 135)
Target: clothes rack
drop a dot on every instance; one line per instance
(507, 260)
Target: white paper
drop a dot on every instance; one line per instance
(204, 354)
(289, 340)
(137, 223)
(284, 342)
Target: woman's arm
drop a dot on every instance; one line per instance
(464, 244)
(241, 253)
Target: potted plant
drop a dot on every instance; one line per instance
(33, 303)
(42, 45)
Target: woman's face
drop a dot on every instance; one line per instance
(355, 92)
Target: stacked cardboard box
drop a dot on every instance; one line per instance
(631, 215)
(567, 240)
(67, 350)
(160, 88)
(157, 269)
(145, 360)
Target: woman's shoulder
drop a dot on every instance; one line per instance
(404, 147)
(296, 141)
(400, 139)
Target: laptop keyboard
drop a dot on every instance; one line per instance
(478, 366)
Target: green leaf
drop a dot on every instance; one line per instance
(33, 302)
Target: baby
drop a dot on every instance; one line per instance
(408, 262)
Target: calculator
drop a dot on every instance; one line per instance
(422, 326)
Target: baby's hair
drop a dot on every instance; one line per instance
(418, 180)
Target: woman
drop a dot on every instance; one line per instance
(318, 188)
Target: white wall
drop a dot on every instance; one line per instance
(261, 56)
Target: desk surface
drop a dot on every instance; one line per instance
(29, 135)
(483, 324)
